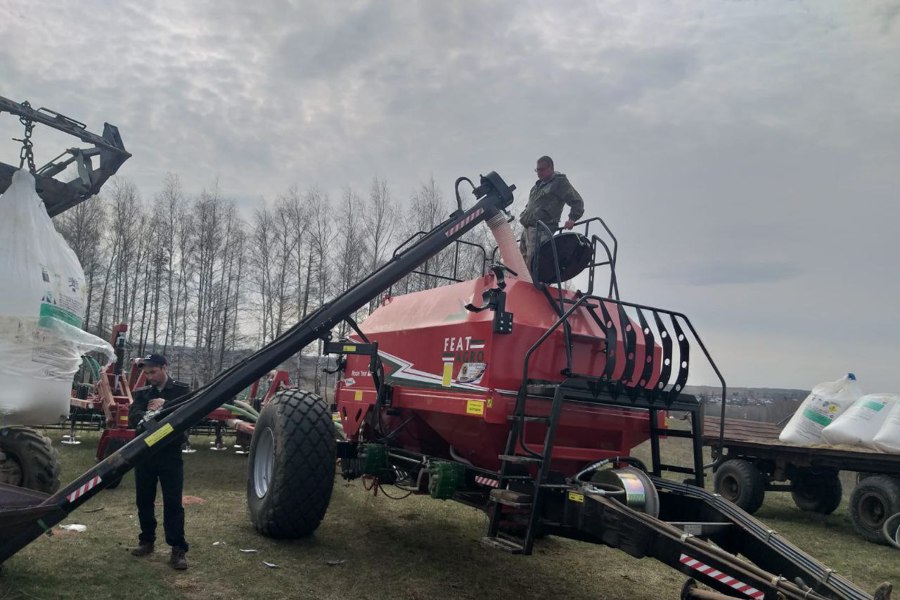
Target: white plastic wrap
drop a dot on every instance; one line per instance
(823, 405)
(859, 424)
(888, 437)
(41, 311)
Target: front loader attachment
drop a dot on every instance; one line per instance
(93, 166)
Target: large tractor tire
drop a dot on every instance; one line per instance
(874, 500)
(740, 482)
(292, 465)
(817, 491)
(28, 459)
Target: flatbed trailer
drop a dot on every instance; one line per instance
(755, 461)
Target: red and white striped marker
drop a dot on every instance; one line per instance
(84, 489)
(486, 481)
(463, 223)
(722, 577)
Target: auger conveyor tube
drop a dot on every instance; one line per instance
(25, 515)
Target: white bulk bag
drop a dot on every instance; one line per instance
(888, 437)
(859, 424)
(41, 310)
(823, 405)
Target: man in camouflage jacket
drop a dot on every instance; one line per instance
(545, 205)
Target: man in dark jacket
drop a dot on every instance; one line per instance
(551, 191)
(164, 466)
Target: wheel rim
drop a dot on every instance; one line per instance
(263, 462)
(730, 488)
(872, 510)
(10, 470)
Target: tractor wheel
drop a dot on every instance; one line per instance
(28, 459)
(873, 501)
(740, 482)
(817, 491)
(292, 464)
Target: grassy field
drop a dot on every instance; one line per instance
(367, 547)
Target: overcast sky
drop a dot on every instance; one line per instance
(746, 154)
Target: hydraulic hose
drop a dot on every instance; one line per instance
(240, 411)
(892, 538)
(244, 406)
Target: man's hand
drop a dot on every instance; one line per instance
(155, 404)
(570, 224)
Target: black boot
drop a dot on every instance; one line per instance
(144, 549)
(178, 561)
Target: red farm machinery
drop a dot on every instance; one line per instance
(508, 393)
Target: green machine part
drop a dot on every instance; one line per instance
(373, 459)
(444, 478)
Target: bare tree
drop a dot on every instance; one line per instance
(379, 225)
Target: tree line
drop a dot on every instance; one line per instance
(194, 273)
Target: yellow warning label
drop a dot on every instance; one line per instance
(159, 434)
(490, 402)
(357, 395)
(474, 407)
(576, 497)
(349, 348)
(448, 374)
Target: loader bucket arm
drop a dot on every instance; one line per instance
(94, 165)
(19, 524)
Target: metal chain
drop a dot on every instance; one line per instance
(26, 154)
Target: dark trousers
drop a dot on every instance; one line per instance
(167, 468)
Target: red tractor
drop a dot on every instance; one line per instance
(506, 392)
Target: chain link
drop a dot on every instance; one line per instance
(26, 154)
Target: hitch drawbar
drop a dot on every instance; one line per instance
(704, 543)
(26, 515)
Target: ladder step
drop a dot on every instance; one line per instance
(529, 419)
(501, 544)
(517, 477)
(520, 460)
(511, 498)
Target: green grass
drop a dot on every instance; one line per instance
(367, 547)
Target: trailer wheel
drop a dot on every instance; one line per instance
(740, 482)
(817, 491)
(111, 447)
(873, 501)
(292, 464)
(28, 459)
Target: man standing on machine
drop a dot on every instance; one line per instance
(545, 204)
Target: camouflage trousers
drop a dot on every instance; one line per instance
(531, 240)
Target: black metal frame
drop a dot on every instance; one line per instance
(456, 244)
(60, 196)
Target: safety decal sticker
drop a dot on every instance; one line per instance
(159, 434)
(721, 577)
(474, 407)
(471, 372)
(452, 231)
(576, 497)
(84, 489)
(480, 480)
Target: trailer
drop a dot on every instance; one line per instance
(504, 392)
(754, 461)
